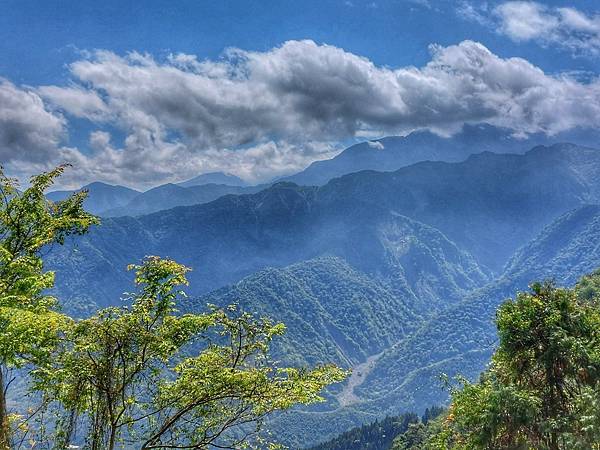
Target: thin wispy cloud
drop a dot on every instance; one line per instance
(524, 21)
(264, 114)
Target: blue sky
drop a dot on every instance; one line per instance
(62, 61)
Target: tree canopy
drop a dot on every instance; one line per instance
(29, 322)
(139, 374)
(143, 374)
(542, 389)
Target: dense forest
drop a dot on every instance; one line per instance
(397, 432)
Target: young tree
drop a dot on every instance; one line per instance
(127, 372)
(542, 388)
(29, 323)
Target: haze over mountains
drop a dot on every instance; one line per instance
(392, 153)
(465, 333)
(282, 201)
(214, 178)
(386, 154)
(396, 273)
(110, 201)
(101, 196)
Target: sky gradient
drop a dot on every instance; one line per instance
(141, 93)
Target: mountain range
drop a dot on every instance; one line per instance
(386, 154)
(487, 206)
(101, 196)
(457, 341)
(394, 152)
(111, 201)
(394, 273)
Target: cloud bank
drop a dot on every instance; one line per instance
(263, 114)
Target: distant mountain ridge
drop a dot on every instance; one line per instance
(394, 152)
(113, 201)
(488, 205)
(386, 154)
(101, 196)
(214, 178)
(168, 196)
(389, 272)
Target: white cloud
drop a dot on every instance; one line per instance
(377, 145)
(78, 101)
(521, 21)
(524, 21)
(474, 12)
(264, 114)
(144, 165)
(28, 131)
(302, 91)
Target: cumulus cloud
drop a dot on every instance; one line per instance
(264, 114)
(80, 102)
(302, 91)
(565, 27)
(145, 162)
(28, 131)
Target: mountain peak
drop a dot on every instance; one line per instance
(100, 196)
(395, 152)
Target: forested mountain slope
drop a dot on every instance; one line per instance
(415, 261)
(381, 434)
(378, 435)
(461, 339)
(489, 205)
(333, 313)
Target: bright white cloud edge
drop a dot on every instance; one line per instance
(263, 114)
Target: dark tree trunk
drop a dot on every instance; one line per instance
(4, 425)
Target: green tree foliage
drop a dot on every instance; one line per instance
(141, 373)
(418, 434)
(543, 386)
(394, 432)
(29, 323)
(127, 374)
(374, 436)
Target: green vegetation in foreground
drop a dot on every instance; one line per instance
(30, 326)
(542, 389)
(126, 375)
